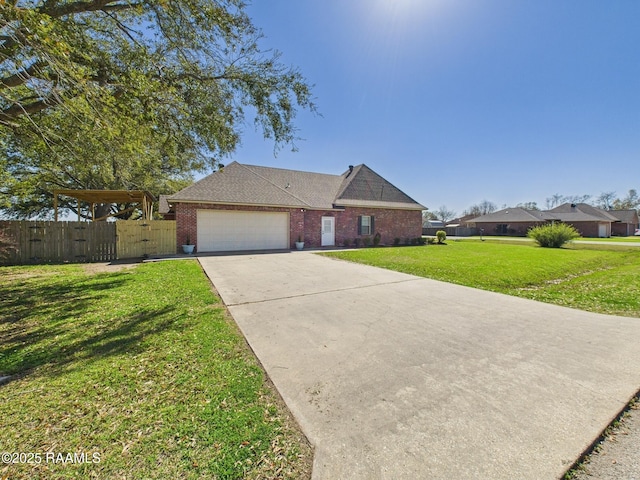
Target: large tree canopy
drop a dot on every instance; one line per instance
(131, 94)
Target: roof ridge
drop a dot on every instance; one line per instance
(287, 169)
(248, 167)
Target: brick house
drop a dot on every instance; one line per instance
(590, 221)
(628, 223)
(511, 221)
(248, 207)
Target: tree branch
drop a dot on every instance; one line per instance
(9, 115)
(55, 10)
(19, 78)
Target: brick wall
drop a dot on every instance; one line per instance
(586, 229)
(390, 224)
(513, 229)
(623, 229)
(590, 229)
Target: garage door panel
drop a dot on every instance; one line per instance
(220, 231)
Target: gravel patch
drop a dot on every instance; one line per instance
(618, 456)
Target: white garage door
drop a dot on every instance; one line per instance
(223, 231)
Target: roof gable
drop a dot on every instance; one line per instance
(364, 187)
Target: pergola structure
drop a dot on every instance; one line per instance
(93, 197)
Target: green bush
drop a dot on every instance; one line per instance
(376, 239)
(441, 235)
(396, 241)
(553, 235)
(366, 241)
(347, 242)
(356, 242)
(422, 240)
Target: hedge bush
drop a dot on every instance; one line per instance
(553, 235)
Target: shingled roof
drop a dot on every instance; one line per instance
(626, 216)
(515, 215)
(582, 212)
(239, 184)
(568, 212)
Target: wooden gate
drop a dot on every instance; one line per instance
(142, 238)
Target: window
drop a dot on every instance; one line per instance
(365, 225)
(502, 228)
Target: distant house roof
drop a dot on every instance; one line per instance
(568, 212)
(432, 224)
(625, 216)
(163, 204)
(582, 212)
(514, 215)
(239, 184)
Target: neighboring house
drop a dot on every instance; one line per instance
(628, 223)
(164, 209)
(590, 221)
(433, 224)
(510, 221)
(247, 207)
(464, 221)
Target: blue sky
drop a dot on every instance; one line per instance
(457, 101)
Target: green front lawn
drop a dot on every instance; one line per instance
(598, 280)
(141, 369)
(634, 239)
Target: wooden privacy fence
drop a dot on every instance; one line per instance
(76, 242)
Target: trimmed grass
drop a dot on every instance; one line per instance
(592, 279)
(633, 239)
(141, 369)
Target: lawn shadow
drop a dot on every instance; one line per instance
(46, 323)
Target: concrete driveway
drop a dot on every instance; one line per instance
(393, 376)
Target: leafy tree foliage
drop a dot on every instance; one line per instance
(428, 215)
(131, 94)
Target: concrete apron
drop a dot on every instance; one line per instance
(393, 376)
